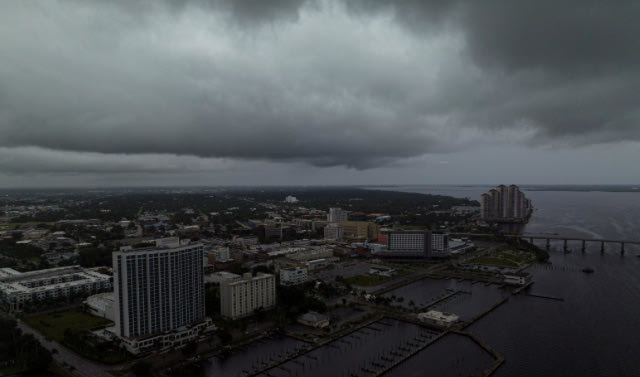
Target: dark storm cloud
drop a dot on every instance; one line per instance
(354, 83)
(553, 35)
(32, 160)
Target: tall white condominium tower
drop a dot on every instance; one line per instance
(158, 289)
(337, 215)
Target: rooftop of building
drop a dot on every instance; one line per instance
(313, 317)
(248, 277)
(161, 244)
(440, 316)
(19, 283)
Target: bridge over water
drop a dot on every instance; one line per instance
(565, 239)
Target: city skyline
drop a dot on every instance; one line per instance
(167, 93)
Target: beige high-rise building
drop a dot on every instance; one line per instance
(359, 230)
(242, 296)
(504, 204)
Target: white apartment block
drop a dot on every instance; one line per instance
(241, 297)
(17, 288)
(293, 276)
(337, 215)
(333, 231)
(158, 289)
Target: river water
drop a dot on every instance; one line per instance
(595, 330)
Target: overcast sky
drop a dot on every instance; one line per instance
(228, 92)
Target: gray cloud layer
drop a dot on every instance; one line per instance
(359, 83)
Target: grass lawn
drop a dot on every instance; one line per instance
(504, 259)
(52, 325)
(369, 280)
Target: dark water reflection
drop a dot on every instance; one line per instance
(471, 299)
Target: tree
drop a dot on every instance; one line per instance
(142, 369)
(260, 314)
(190, 349)
(225, 336)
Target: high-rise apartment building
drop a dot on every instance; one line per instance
(241, 297)
(158, 289)
(505, 204)
(337, 215)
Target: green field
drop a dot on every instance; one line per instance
(52, 325)
(504, 259)
(55, 325)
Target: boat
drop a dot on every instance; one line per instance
(588, 270)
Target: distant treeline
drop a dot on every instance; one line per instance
(113, 206)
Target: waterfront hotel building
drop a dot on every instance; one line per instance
(159, 290)
(408, 244)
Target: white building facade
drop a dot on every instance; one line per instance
(293, 276)
(334, 232)
(440, 244)
(18, 288)
(159, 289)
(408, 244)
(337, 215)
(241, 297)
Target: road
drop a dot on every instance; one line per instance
(84, 367)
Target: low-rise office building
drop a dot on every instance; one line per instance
(314, 319)
(517, 278)
(293, 275)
